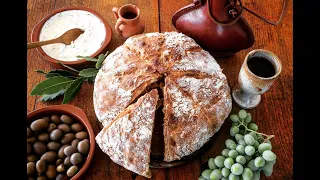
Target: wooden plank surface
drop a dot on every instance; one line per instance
(273, 115)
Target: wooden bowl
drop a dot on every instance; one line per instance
(78, 115)
(77, 63)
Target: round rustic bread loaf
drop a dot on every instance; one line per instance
(196, 96)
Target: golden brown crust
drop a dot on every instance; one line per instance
(119, 83)
(196, 93)
(127, 140)
(195, 107)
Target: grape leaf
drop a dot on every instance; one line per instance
(88, 58)
(72, 90)
(51, 85)
(89, 72)
(101, 58)
(47, 97)
(60, 72)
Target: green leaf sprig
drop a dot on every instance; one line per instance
(66, 82)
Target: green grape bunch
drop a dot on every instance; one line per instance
(247, 153)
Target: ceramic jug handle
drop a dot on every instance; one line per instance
(119, 22)
(115, 12)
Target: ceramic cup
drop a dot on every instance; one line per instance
(129, 21)
(259, 70)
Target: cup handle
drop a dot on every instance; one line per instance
(118, 23)
(115, 12)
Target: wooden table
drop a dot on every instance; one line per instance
(273, 115)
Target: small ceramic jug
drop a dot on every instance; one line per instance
(129, 22)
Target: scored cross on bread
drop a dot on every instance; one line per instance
(195, 93)
(127, 140)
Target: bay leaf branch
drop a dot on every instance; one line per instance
(72, 90)
(40, 71)
(66, 66)
(89, 72)
(51, 85)
(101, 58)
(88, 58)
(67, 82)
(59, 72)
(90, 79)
(48, 97)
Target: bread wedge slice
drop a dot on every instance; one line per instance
(127, 140)
(195, 107)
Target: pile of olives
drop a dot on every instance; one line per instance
(57, 147)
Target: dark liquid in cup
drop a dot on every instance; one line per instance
(261, 67)
(129, 15)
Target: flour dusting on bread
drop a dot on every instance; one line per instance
(196, 96)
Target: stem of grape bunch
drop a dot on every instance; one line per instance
(247, 129)
(247, 153)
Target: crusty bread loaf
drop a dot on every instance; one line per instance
(196, 93)
(127, 140)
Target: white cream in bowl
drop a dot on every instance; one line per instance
(85, 45)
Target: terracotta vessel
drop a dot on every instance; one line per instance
(79, 115)
(255, 78)
(79, 63)
(216, 25)
(129, 22)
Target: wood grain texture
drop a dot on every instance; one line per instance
(273, 115)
